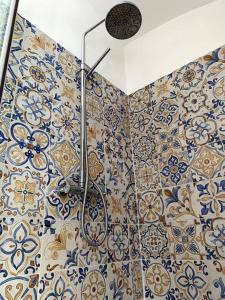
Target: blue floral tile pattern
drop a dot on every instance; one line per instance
(118, 243)
(213, 235)
(28, 147)
(23, 191)
(192, 279)
(18, 247)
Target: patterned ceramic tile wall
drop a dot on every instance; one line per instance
(177, 131)
(42, 252)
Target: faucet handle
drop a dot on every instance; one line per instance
(63, 189)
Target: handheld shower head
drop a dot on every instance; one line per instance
(123, 20)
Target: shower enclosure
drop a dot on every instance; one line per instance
(158, 156)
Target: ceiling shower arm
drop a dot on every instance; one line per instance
(97, 63)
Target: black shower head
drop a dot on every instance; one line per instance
(123, 20)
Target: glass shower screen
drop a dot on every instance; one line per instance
(8, 10)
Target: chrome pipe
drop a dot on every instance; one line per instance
(7, 43)
(97, 63)
(84, 168)
(83, 122)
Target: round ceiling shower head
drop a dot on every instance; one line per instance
(123, 21)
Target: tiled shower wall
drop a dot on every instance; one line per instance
(42, 252)
(178, 136)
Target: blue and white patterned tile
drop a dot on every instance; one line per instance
(23, 191)
(60, 246)
(209, 198)
(119, 281)
(154, 241)
(20, 287)
(158, 279)
(201, 130)
(180, 203)
(59, 285)
(33, 107)
(20, 245)
(28, 147)
(134, 242)
(175, 168)
(213, 231)
(93, 255)
(61, 207)
(141, 101)
(118, 243)
(190, 76)
(191, 280)
(171, 138)
(35, 74)
(147, 176)
(137, 280)
(216, 278)
(185, 240)
(93, 282)
(150, 207)
(65, 122)
(207, 161)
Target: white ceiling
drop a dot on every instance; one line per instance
(65, 21)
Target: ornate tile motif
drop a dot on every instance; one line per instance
(166, 113)
(28, 147)
(60, 246)
(4, 136)
(140, 100)
(137, 280)
(154, 241)
(180, 203)
(147, 176)
(19, 248)
(144, 149)
(64, 157)
(118, 243)
(195, 104)
(150, 207)
(200, 131)
(189, 76)
(23, 191)
(185, 240)
(19, 287)
(157, 278)
(210, 202)
(191, 279)
(36, 74)
(170, 138)
(33, 108)
(57, 285)
(174, 168)
(119, 281)
(213, 236)
(95, 166)
(91, 255)
(94, 284)
(69, 64)
(65, 122)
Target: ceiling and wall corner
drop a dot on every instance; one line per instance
(173, 33)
